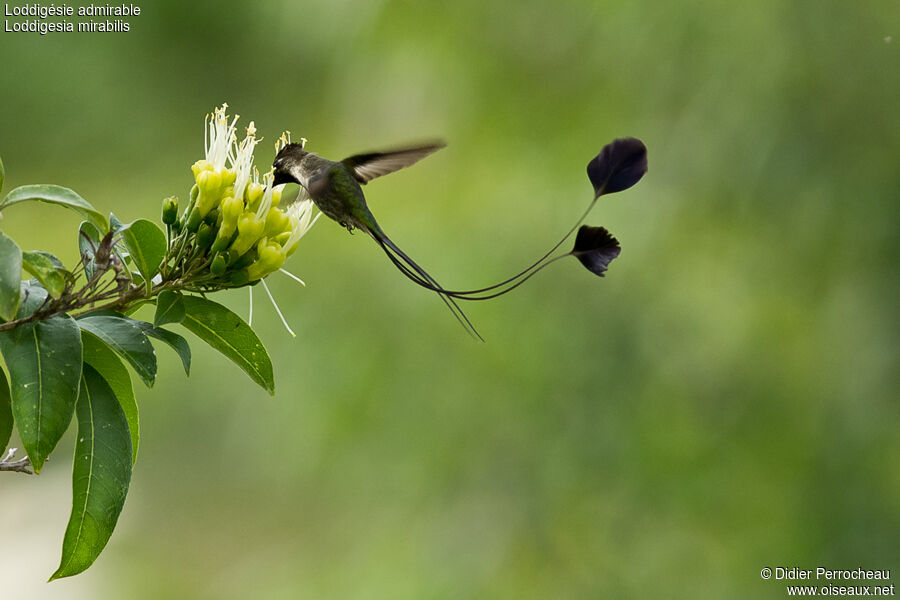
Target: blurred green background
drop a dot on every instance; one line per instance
(724, 400)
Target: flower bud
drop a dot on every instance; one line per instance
(205, 235)
(250, 229)
(270, 259)
(170, 210)
(185, 216)
(210, 184)
(209, 181)
(229, 212)
(276, 222)
(228, 177)
(254, 194)
(218, 265)
(200, 166)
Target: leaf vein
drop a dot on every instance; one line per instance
(40, 382)
(87, 491)
(227, 343)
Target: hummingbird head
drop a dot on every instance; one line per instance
(287, 162)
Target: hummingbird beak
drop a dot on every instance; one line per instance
(282, 176)
(282, 173)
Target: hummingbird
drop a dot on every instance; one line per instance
(336, 189)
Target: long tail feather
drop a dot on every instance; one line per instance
(524, 274)
(418, 275)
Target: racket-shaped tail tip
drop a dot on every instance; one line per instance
(620, 165)
(595, 247)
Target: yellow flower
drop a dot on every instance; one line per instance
(270, 259)
(233, 221)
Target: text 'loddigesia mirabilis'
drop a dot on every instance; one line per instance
(36, 17)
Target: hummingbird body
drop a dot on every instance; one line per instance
(334, 189)
(339, 195)
(335, 186)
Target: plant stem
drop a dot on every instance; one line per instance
(182, 269)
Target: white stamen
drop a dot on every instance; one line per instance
(283, 141)
(266, 203)
(277, 310)
(206, 135)
(242, 162)
(294, 277)
(250, 316)
(219, 146)
(300, 214)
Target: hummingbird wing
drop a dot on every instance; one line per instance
(366, 167)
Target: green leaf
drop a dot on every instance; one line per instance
(119, 249)
(44, 361)
(147, 245)
(58, 265)
(2, 174)
(115, 225)
(32, 296)
(99, 356)
(127, 339)
(10, 276)
(169, 308)
(6, 416)
(88, 241)
(43, 269)
(52, 258)
(101, 473)
(230, 335)
(58, 195)
(175, 341)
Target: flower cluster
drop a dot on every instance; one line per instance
(233, 226)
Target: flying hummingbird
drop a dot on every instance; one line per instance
(336, 188)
